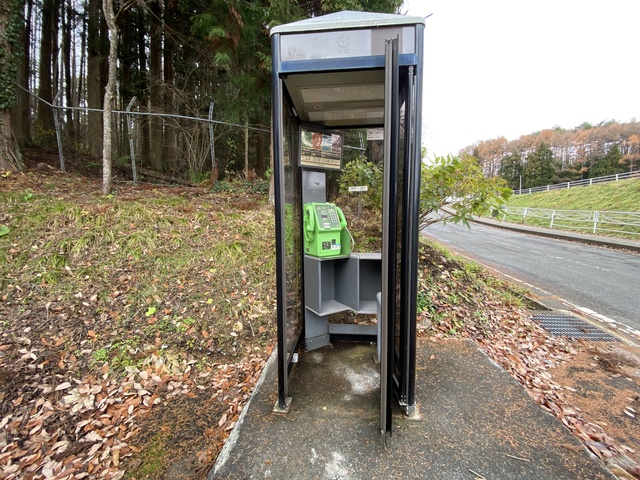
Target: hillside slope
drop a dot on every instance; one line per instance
(622, 196)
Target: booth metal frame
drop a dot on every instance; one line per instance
(340, 71)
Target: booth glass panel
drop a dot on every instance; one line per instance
(293, 234)
(287, 183)
(405, 269)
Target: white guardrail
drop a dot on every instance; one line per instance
(593, 221)
(580, 183)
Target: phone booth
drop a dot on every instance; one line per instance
(341, 71)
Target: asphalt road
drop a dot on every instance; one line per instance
(602, 280)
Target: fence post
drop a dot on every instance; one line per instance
(553, 217)
(246, 149)
(596, 216)
(56, 122)
(616, 177)
(132, 150)
(212, 144)
(568, 184)
(591, 181)
(524, 214)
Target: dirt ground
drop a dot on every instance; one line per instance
(603, 382)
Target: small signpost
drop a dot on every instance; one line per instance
(375, 133)
(359, 188)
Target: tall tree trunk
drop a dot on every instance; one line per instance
(104, 53)
(246, 149)
(155, 88)
(20, 113)
(94, 70)
(80, 89)
(260, 167)
(142, 50)
(170, 131)
(127, 62)
(9, 31)
(66, 49)
(110, 18)
(9, 153)
(56, 80)
(45, 89)
(142, 75)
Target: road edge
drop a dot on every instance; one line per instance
(610, 242)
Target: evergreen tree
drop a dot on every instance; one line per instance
(609, 164)
(539, 169)
(511, 169)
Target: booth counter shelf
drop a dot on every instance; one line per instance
(342, 283)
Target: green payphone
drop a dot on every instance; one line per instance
(325, 231)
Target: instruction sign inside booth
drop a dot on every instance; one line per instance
(321, 150)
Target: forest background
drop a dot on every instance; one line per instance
(175, 61)
(561, 155)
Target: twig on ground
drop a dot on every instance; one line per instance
(478, 476)
(518, 458)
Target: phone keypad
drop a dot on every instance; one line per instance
(328, 216)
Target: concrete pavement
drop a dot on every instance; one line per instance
(475, 422)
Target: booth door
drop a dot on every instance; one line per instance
(399, 239)
(289, 252)
(389, 234)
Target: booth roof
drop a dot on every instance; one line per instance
(347, 20)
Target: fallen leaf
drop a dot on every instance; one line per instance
(222, 420)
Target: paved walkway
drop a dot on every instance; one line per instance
(476, 422)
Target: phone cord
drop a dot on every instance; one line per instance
(353, 242)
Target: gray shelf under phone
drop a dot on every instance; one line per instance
(338, 284)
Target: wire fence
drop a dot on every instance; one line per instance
(580, 183)
(619, 223)
(171, 147)
(176, 147)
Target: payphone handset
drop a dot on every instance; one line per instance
(325, 230)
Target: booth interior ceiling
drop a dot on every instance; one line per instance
(338, 99)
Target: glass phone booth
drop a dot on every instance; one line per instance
(340, 71)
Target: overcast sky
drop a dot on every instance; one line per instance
(512, 67)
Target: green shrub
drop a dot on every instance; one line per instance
(361, 172)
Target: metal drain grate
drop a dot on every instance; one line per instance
(570, 326)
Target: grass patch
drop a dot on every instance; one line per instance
(152, 459)
(622, 196)
(180, 282)
(203, 262)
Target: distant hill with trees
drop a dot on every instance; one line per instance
(560, 155)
